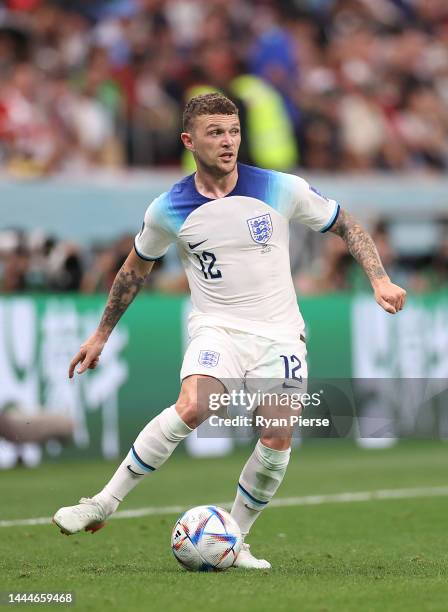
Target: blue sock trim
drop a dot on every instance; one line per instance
(141, 463)
(251, 497)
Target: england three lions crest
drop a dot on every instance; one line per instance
(260, 228)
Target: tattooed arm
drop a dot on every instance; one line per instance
(128, 282)
(361, 246)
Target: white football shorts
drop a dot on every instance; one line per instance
(238, 358)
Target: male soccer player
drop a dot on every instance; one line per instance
(230, 224)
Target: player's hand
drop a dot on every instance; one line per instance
(389, 296)
(88, 355)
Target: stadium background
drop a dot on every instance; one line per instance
(350, 94)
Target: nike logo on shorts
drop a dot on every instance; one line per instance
(194, 246)
(285, 386)
(131, 470)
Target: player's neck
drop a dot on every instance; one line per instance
(214, 187)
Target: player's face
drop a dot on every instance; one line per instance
(214, 141)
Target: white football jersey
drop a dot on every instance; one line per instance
(235, 249)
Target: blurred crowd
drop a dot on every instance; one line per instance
(34, 262)
(347, 84)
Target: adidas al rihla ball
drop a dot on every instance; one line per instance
(206, 538)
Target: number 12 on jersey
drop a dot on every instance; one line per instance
(207, 261)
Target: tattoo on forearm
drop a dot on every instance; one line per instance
(124, 289)
(360, 245)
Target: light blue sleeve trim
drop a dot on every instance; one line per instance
(332, 221)
(163, 213)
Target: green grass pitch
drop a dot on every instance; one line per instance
(385, 555)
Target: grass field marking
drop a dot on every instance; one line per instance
(308, 500)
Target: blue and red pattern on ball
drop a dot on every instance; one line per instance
(207, 541)
(199, 530)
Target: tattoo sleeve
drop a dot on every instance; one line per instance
(125, 287)
(360, 245)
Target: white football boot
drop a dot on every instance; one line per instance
(246, 560)
(88, 515)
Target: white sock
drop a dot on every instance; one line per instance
(151, 449)
(259, 480)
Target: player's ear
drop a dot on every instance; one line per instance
(187, 141)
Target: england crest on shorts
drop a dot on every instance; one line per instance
(260, 228)
(209, 359)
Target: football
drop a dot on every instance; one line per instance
(206, 538)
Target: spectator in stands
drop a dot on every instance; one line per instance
(329, 273)
(115, 75)
(30, 140)
(104, 263)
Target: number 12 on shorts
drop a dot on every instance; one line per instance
(291, 369)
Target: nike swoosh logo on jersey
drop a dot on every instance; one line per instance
(131, 470)
(194, 246)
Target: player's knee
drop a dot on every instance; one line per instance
(193, 405)
(276, 442)
(187, 410)
(191, 409)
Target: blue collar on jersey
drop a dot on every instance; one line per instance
(184, 198)
(251, 182)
